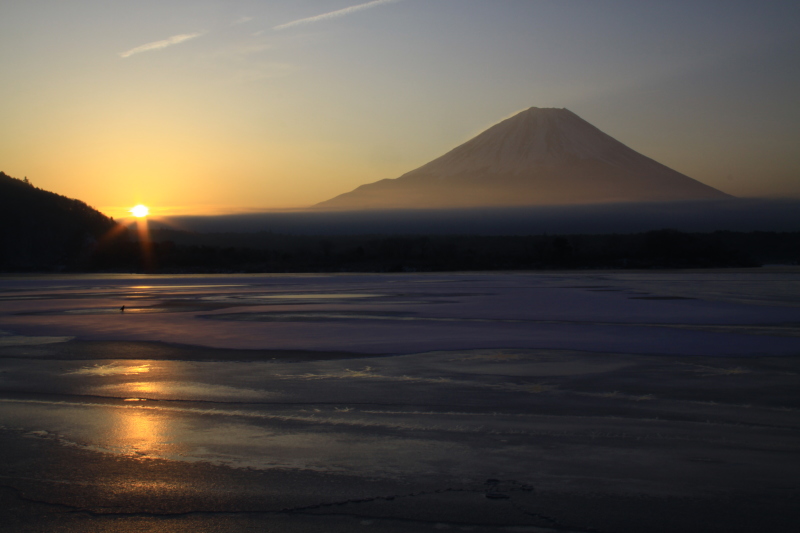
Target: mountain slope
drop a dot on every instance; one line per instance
(537, 157)
(43, 230)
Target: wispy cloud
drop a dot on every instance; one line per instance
(157, 45)
(242, 20)
(334, 14)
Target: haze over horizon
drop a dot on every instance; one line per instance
(213, 107)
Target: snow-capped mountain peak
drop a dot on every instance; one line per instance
(538, 156)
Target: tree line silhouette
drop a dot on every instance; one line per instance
(178, 252)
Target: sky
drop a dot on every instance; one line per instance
(209, 106)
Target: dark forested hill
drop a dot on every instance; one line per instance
(41, 230)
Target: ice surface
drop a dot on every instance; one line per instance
(7, 339)
(540, 392)
(747, 314)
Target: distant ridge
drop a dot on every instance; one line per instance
(540, 156)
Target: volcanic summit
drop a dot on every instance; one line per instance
(540, 156)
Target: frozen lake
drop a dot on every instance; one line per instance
(597, 401)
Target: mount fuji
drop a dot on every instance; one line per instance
(540, 156)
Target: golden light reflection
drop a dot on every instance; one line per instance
(144, 387)
(138, 427)
(140, 369)
(112, 369)
(139, 431)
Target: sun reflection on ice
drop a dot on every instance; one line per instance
(113, 369)
(134, 429)
(138, 431)
(144, 387)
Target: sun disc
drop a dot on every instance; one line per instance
(140, 211)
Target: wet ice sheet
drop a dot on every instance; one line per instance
(8, 339)
(454, 414)
(779, 285)
(780, 330)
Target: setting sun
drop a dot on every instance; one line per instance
(140, 211)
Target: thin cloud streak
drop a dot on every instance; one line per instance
(333, 14)
(158, 45)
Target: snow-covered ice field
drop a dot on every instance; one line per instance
(577, 401)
